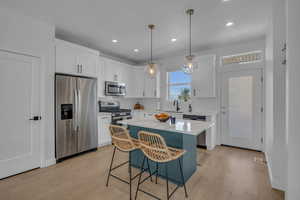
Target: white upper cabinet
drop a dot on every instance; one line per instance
(151, 86)
(204, 77)
(138, 84)
(75, 59)
(101, 77)
(114, 70)
(144, 86)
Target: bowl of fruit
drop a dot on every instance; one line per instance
(162, 117)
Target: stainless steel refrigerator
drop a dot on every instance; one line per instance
(76, 115)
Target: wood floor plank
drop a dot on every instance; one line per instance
(225, 174)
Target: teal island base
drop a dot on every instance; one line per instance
(173, 139)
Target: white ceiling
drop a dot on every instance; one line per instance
(95, 23)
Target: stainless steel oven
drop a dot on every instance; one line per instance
(115, 88)
(117, 114)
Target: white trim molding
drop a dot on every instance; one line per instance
(48, 163)
(274, 182)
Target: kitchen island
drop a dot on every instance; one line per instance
(182, 135)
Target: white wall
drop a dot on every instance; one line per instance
(276, 147)
(293, 33)
(25, 35)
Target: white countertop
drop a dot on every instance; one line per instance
(204, 112)
(190, 127)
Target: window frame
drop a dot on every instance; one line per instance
(176, 84)
(239, 58)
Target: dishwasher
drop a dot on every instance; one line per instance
(201, 138)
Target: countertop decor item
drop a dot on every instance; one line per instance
(162, 117)
(189, 64)
(138, 106)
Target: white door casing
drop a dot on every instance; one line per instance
(19, 102)
(241, 108)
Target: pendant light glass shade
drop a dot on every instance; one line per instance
(151, 68)
(189, 63)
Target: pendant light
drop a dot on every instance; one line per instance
(151, 67)
(189, 65)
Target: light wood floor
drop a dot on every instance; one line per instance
(225, 174)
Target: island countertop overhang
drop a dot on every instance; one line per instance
(189, 127)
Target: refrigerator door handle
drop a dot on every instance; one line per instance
(78, 107)
(75, 117)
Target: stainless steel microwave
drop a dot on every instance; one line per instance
(115, 88)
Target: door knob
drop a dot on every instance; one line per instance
(36, 118)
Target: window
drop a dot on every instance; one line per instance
(179, 86)
(250, 57)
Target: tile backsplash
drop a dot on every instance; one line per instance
(124, 103)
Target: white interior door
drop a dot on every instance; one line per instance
(19, 102)
(241, 109)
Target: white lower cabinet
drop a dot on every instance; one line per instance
(104, 137)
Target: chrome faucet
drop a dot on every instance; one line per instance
(190, 108)
(176, 103)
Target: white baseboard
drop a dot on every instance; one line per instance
(274, 183)
(269, 166)
(49, 163)
(104, 144)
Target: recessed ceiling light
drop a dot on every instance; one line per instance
(136, 50)
(173, 39)
(114, 41)
(228, 24)
(226, 0)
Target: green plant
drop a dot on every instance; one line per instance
(184, 95)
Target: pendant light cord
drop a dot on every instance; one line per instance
(151, 45)
(190, 18)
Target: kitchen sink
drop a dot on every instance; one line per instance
(173, 111)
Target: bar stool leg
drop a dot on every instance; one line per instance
(156, 173)
(149, 169)
(167, 180)
(130, 179)
(182, 178)
(142, 170)
(111, 163)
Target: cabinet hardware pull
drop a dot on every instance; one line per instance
(194, 92)
(36, 118)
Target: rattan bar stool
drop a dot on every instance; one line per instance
(154, 148)
(122, 141)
